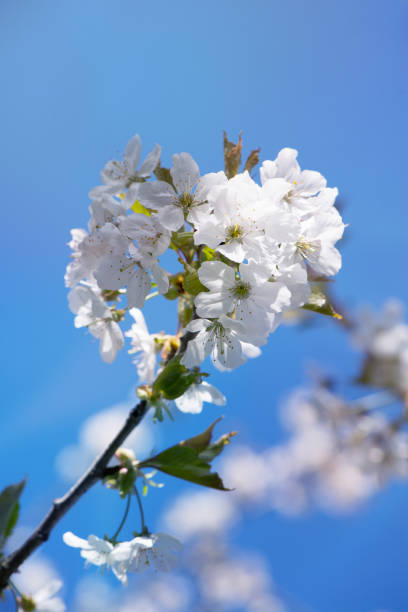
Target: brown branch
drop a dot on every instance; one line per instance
(61, 506)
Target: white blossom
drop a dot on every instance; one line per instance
(92, 312)
(44, 600)
(160, 555)
(121, 557)
(174, 204)
(251, 296)
(222, 338)
(144, 345)
(192, 400)
(304, 184)
(117, 175)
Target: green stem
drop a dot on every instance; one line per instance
(15, 590)
(119, 529)
(139, 503)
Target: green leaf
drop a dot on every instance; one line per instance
(191, 459)
(9, 510)
(174, 380)
(232, 156)
(200, 442)
(164, 174)
(182, 239)
(137, 207)
(318, 302)
(192, 284)
(185, 310)
(207, 254)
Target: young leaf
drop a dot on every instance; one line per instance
(252, 160)
(232, 156)
(137, 207)
(174, 380)
(9, 509)
(191, 459)
(319, 303)
(163, 174)
(192, 284)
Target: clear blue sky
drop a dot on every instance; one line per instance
(78, 80)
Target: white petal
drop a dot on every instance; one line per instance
(185, 172)
(111, 342)
(211, 394)
(214, 274)
(171, 217)
(132, 153)
(150, 162)
(191, 401)
(137, 288)
(213, 304)
(155, 194)
(227, 355)
(287, 164)
(71, 539)
(93, 556)
(250, 350)
(161, 278)
(207, 182)
(48, 591)
(310, 182)
(195, 352)
(234, 251)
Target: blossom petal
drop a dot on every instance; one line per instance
(137, 288)
(185, 172)
(132, 153)
(70, 539)
(150, 162)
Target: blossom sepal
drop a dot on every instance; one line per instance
(319, 302)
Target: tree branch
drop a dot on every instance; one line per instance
(61, 506)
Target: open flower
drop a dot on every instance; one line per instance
(118, 175)
(43, 600)
(224, 339)
(156, 550)
(144, 345)
(192, 400)
(161, 555)
(92, 312)
(119, 557)
(174, 204)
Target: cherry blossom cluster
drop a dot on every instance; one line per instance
(383, 337)
(247, 251)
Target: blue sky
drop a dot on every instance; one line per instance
(79, 79)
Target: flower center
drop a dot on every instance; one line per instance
(234, 232)
(306, 249)
(185, 200)
(241, 290)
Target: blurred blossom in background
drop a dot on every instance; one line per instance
(316, 519)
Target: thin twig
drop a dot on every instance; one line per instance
(61, 506)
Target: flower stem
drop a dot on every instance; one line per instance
(119, 529)
(15, 590)
(139, 503)
(152, 295)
